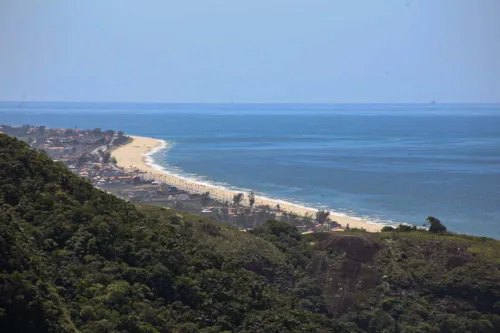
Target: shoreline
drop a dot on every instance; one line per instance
(136, 155)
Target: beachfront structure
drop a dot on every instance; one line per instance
(216, 193)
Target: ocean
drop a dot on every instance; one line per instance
(391, 163)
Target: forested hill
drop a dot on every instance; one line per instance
(74, 259)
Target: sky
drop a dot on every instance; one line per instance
(288, 51)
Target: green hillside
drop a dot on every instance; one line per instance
(74, 259)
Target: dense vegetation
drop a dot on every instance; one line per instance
(75, 259)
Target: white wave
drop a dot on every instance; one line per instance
(204, 181)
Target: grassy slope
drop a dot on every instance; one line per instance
(73, 258)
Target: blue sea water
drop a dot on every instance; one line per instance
(397, 163)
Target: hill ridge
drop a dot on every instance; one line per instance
(75, 259)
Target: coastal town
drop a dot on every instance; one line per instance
(89, 154)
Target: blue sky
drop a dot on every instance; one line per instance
(250, 51)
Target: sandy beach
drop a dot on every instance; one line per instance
(134, 156)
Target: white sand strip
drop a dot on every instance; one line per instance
(135, 154)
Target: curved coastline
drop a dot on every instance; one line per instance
(138, 155)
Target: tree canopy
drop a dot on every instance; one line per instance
(238, 198)
(75, 259)
(435, 225)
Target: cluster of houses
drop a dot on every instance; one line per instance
(64, 145)
(101, 174)
(320, 227)
(150, 190)
(246, 218)
(83, 152)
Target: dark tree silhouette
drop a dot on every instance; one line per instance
(322, 216)
(435, 225)
(106, 157)
(237, 199)
(251, 199)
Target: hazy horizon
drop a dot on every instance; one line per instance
(429, 103)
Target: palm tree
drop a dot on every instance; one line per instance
(322, 216)
(238, 198)
(251, 199)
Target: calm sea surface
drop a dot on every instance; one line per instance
(389, 162)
